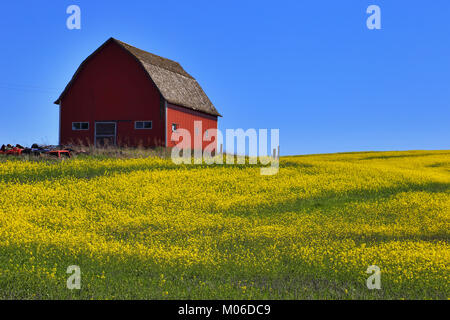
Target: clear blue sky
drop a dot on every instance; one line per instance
(310, 68)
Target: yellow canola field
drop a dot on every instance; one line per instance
(147, 228)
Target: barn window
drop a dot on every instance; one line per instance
(80, 126)
(174, 127)
(142, 124)
(206, 134)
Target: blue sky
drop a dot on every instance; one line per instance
(310, 68)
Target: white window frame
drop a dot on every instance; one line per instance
(143, 121)
(80, 122)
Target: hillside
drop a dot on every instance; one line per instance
(147, 228)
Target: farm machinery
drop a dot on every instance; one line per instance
(35, 150)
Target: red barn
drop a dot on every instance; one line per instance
(125, 96)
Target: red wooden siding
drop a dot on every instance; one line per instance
(112, 86)
(184, 118)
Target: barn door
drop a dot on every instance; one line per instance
(105, 134)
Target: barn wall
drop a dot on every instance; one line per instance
(110, 87)
(185, 118)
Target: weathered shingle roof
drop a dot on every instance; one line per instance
(173, 82)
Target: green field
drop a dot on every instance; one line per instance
(145, 228)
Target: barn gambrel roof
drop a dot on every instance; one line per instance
(173, 82)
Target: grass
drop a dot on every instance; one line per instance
(141, 227)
